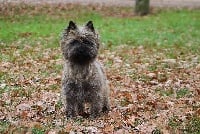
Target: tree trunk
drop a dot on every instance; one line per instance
(142, 7)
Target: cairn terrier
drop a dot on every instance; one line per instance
(84, 79)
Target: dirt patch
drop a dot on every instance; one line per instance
(125, 3)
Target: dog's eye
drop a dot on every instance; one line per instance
(87, 42)
(74, 42)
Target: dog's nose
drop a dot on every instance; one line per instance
(81, 39)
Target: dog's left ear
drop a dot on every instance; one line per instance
(72, 26)
(90, 26)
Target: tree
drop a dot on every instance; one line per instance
(142, 7)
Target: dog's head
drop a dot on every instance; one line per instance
(80, 44)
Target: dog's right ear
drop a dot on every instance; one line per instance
(90, 26)
(72, 26)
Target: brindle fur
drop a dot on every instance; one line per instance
(84, 79)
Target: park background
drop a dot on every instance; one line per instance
(152, 63)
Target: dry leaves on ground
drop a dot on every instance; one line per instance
(149, 91)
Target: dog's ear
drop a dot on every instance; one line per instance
(90, 26)
(72, 26)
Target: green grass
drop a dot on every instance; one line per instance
(179, 93)
(4, 126)
(168, 27)
(174, 122)
(193, 126)
(162, 92)
(37, 131)
(182, 92)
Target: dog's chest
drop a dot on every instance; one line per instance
(83, 86)
(83, 90)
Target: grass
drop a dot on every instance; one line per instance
(168, 92)
(182, 92)
(174, 122)
(193, 125)
(37, 131)
(179, 93)
(168, 27)
(3, 126)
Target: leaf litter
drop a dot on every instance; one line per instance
(145, 91)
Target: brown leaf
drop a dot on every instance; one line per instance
(109, 129)
(68, 127)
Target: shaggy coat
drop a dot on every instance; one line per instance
(84, 79)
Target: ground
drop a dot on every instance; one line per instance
(152, 64)
(153, 3)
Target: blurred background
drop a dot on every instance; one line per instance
(154, 3)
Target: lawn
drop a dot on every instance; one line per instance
(152, 63)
